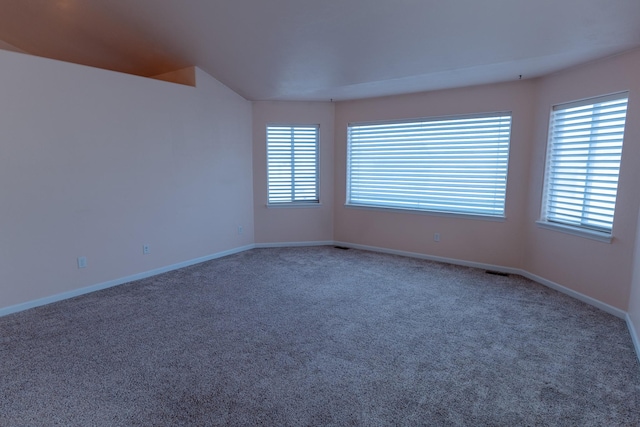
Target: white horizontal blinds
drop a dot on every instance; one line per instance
(583, 162)
(292, 160)
(456, 165)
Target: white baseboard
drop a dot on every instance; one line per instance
(76, 292)
(548, 283)
(294, 244)
(111, 283)
(634, 335)
(582, 297)
(431, 258)
(577, 295)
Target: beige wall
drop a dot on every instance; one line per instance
(293, 224)
(633, 316)
(600, 270)
(475, 240)
(95, 163)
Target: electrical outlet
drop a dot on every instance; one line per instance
(146, 250)
(436, 237)
(82, 262)
(240, 230)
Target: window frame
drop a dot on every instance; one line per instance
(554, 223)
(498, 116)
(293, 203)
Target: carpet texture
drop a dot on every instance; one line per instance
(319, 337)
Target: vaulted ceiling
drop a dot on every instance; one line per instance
(325, 49)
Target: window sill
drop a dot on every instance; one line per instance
(581, 232)
(432, 213)
(293, 205)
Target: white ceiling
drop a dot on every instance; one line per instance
(326, 49)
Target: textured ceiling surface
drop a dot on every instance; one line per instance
(329, 49)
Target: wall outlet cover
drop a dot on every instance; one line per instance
(82, 262)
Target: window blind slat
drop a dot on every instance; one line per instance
(292, 164)
(454, 165)
(583, 162)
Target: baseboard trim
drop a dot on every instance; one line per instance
(294, 244)
(634, 335)
(116, 282)
(545, 282)
(577, 295)
(431, 258)
(548, 283)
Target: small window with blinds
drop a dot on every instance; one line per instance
(450, 165)
(292, 164)
(583, 162)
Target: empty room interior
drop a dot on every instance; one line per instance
(319, 213)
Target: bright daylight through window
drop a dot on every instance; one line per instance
(292, 163)
(583, 162)
(451, 165)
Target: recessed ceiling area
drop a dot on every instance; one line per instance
(322, 50)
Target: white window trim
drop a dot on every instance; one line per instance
(462, 214)
(543, 222)
(493, 218)
(576, 231)
(295, 203)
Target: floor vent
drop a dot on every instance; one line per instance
(344, 248)
(497, 273)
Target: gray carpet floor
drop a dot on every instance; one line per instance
(319, 337)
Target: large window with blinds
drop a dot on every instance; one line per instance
(450, 165)
(292, 164)
(583, 163)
